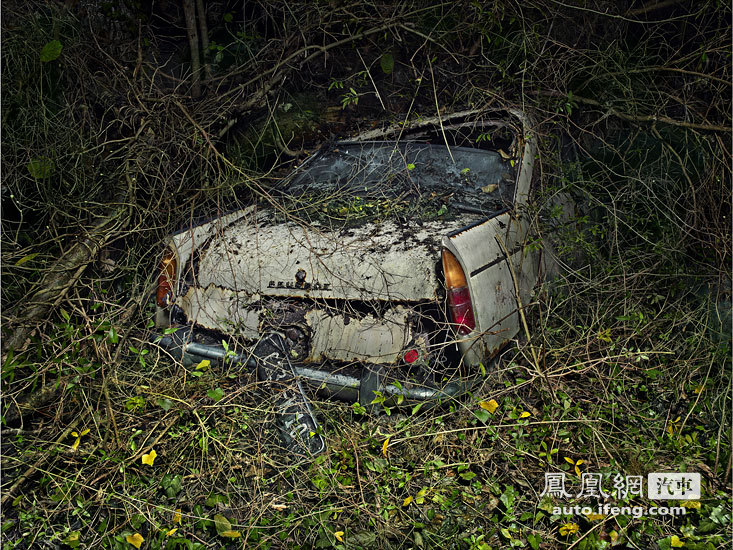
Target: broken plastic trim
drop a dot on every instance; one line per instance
(297, 423)
(340, 385)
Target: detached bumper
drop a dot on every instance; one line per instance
(355, 385)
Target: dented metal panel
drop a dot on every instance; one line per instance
(373, 339)
(388, 262)
(333, 335)
(221, 309)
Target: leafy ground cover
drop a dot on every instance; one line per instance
(624, 367)
(188, 458)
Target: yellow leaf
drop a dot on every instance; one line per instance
(525, 414)
(670, 429)
(85, 432)
(231, 534)
(490, 406)
(75, 434)
(691, 504)
(384, 446)
(339, 536)
(699, 389)
(504, 154)
(136, 540)
(171, 532)
(75, 446)
(177, 516)
(569, 460)
(149, 458)
(675, 542)
(579, 462)
(569, 529)
(407, 501)
(27, 258)
(490, 188)
(203, 365)
(594, 517)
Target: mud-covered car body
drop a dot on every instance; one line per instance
(384, 270)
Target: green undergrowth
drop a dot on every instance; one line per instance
(626, 372)
(623, 368)
(188, 458)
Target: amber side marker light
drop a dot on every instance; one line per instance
(459, 299)
(166, 279)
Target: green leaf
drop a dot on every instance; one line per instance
(40, 168)
(222, 524)
(27, 258)
(387, 63)
(72, 540)
(214, 499)
(164, 404)
(482, 415)
(507, 497)
(113, 336)
(215, 394)
(228, 18)
(135, 403)
(51, 51)
(534, 541)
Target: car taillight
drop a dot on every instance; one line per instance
(459, 299)
(166, 279)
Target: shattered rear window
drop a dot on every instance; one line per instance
(368, 181)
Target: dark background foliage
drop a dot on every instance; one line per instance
(122, 121)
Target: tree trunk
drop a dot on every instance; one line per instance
(193, 42)
(204, 37)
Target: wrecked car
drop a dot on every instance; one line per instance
(379, 272)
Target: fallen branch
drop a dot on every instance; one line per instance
(67, 270)
(423, 122)
(640, 118)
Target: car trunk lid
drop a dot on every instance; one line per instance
(389, 261)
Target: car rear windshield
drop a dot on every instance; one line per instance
(363, 181)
